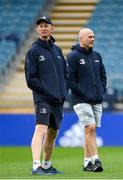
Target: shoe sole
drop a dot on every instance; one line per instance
(98, 169)
(38, 174)
(88, 170)
(43, 174)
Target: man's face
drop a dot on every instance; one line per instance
(44, 30)
(87, 39)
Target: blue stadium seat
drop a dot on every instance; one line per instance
(107, 23)
(16, 20)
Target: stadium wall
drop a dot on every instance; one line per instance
(17, 130)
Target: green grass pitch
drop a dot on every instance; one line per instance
(16, 163)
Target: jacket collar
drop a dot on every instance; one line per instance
(82, 49)
(46, 44)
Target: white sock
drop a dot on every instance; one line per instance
(36, 164)
(46, 164)
(94, 157)
(86, 161)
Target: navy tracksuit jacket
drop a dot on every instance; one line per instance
(45, 71)
(87, 76)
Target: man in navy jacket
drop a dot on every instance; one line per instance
(46, 76)
(87, 81)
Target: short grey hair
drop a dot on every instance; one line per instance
(83, 31)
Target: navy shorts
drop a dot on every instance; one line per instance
(49, 114)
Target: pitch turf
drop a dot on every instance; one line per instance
(15, 163)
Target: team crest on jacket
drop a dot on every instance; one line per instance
(42, 58)
(82, 61)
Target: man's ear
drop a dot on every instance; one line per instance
(36, 29)
(52, 29)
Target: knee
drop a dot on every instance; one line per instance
(91, 129)
(52, 134)
(41, 129)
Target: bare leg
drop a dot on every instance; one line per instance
(90, 148)
(36, 145)
(48, 144)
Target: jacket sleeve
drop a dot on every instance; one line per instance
(65, 69)
(72, 74)
(66, 73)
(31, 72)
(103, 76)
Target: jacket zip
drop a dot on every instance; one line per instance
(93, 76)
(55, 71)
(92, 71)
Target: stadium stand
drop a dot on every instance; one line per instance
(69, 16)
(107, 22)
(16, 97)
(105, 17)
(16, 20)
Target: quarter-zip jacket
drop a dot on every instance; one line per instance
(45, 71)
(87, 75)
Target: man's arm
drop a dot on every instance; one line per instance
(31, 72)
(103, 76)
(72, 72)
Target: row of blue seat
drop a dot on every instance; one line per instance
(7, 52)
(16, 20)
(107, 23)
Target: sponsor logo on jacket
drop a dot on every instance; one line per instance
(96, 60)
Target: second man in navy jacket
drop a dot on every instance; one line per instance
(87, 81)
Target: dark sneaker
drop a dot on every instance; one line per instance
(38, 171)
(97, 166)
(51, 171)
(89, 167)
